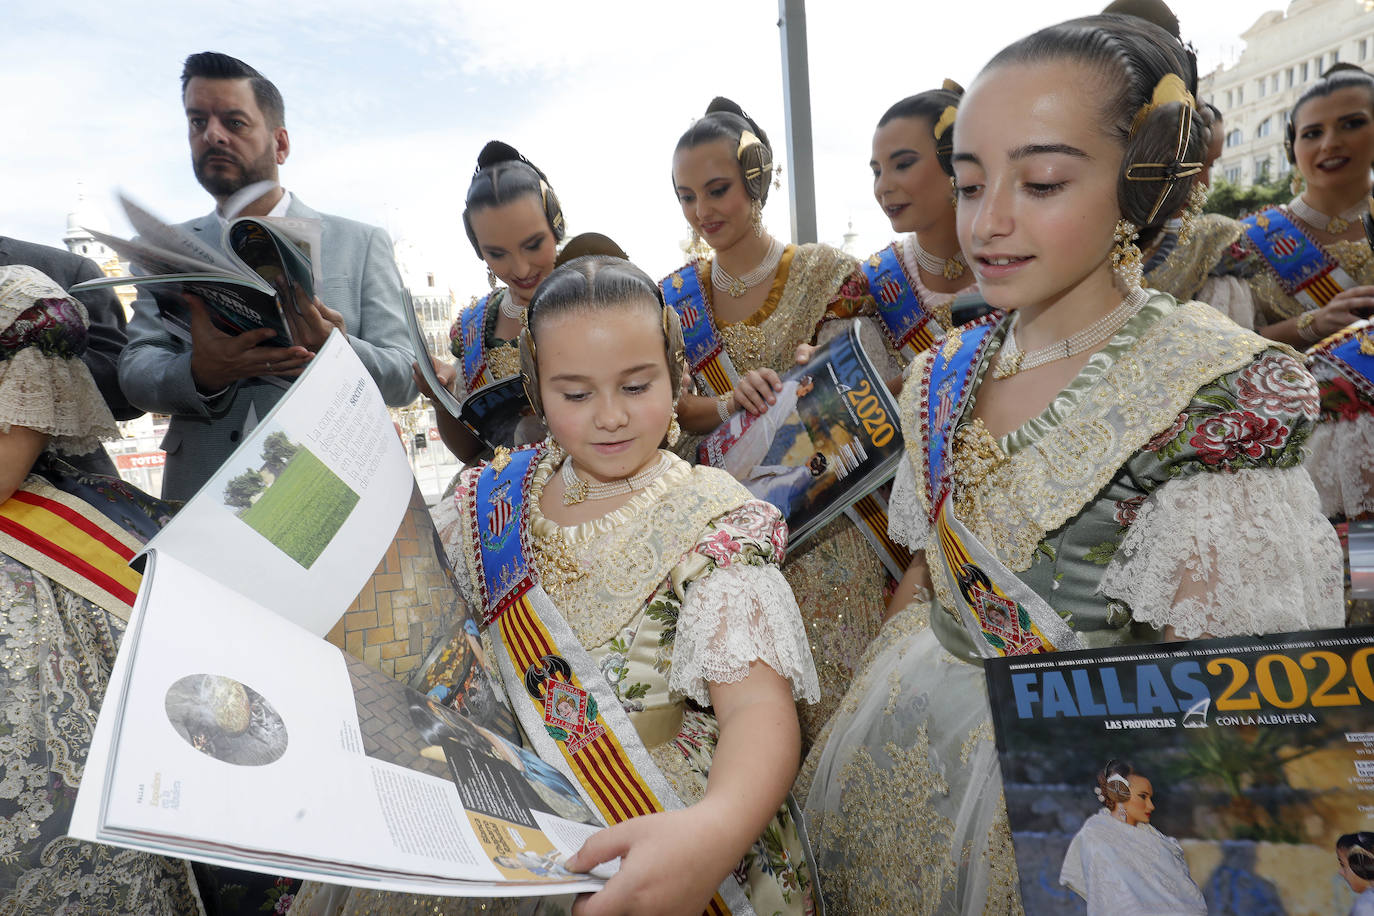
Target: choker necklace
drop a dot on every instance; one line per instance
(510, 308)
(724, 281)
(576, 489)
(1335, 225)
(1012, 359)
(951, 268)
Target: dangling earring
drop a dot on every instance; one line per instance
(953, 192)
(491, 278)
(1126, 262)
(1295, 182)
(1191, 213)
(756, 216)
(674, 431)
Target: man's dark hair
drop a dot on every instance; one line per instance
(213, 65)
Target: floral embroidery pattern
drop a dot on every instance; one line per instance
(720, 547)
(1239, 432)
(54, 326)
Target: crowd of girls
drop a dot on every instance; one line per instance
(1121, 464)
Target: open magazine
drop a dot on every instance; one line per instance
(831, 438)
(237, 730)
(1259, 753)
(260, 260)
(498, 413)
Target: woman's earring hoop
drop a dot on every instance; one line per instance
(1126, 261)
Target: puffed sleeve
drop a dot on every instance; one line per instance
(1233, 541)
(44, 385)
(739, 609)
(1230, 296)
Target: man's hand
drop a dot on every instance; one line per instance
(219, 359)
(310, 319)
(442, 368)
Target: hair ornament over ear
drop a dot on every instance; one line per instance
(1117, 777)
(749, 139)
(1167, 90)
(951, 86)
(946, 121)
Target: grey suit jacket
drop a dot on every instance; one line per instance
(360, 281)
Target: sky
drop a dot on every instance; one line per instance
(388, 104)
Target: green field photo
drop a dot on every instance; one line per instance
(298, 503)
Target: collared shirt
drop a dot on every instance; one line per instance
(278, 210)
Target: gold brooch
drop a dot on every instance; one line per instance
(500, 459)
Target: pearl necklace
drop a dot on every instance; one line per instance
(1333, 224)
(724, 281)
(576, 489)
(951, 268)
(1012, 359)
(510, 308)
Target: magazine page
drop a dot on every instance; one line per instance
(352, 777)
(320, 483)
(499, 413)
(154, 230)
(1256, 754)
(305, 236)
(831, 437)
(442, 396)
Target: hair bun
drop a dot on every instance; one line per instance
(1344, 65)
(721, 103)
(495, 152)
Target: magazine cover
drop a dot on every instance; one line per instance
(1207, 776)
(832, 437)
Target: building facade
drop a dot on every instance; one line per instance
(1285, 52)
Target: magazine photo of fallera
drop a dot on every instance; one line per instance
(1206, 776)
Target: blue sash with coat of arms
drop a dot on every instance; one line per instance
(705, 351)
(1303, 268)
(470, 322)
(907, 324)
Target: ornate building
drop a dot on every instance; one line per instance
(1285, 51)
(434, 301)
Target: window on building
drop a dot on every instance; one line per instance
(1274, 83)
(1233, 174)
(1303, 70)
(1262, 168)
(429, 279)
(1288, 80)
(1234, 138)
(1240, 95)
(1260, 86)
(1362, 48)
(1263, 129)
(1335, 57)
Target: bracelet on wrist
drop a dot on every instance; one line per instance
(725, 406)
(1305, 323)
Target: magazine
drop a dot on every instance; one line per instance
(1257, 753)
(383, 755)
(831, 438)
(263, 261)
(498, 413)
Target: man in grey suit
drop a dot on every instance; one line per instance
(217, 388)
(104, 339)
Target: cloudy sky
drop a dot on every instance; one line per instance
(388, 103)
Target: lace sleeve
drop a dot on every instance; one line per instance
(1341, 466)
(1231, 553)
(906, 521)
(1230, 296)
(731, 617)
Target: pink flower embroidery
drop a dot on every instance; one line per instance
(1235, 433)
(1276, 384)
(1126, 510)
(778, 538)
(720, 547)
(754, 519)
(1169, 435)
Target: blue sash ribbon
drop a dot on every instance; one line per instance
(944, 395)
(899, 307)
(499, 519)
(1295, 258)
(1350, 352)
(471, 321)
(705, 351)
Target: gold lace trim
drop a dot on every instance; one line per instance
(600, 573)
(1187, 266)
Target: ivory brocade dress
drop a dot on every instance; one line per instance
(1161, 488)
(838, 580)
(676, 589)
(1206, 269)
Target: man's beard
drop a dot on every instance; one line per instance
(223, 184)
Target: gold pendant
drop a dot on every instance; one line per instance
(953, 269)
(1007, 365)
(738, 289)
(1337, 225)
(575, 492)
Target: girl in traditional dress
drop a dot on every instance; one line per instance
(1101, 466)
(915, 279)
(746, 310)
(514, 221)
(1355, 863)
(1314, 276)
(1119, 863)
(65, 608)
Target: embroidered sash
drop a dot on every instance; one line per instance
(1305, 271)
(869, 515)
(568, 710)
(1350, 352)
(471, 322)
(945, 389)
(705, 350)
(66, 540)
(909, 327)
